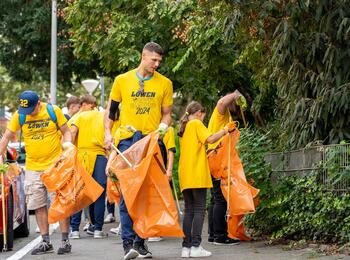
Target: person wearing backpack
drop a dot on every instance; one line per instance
(42, 126)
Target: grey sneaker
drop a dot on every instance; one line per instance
(129, 251)
(65, 248)
(142, 249)
(99, 234)
(43, 248)
(74, 235)
(90, 230)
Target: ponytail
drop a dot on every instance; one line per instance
(191, 108)
(183, 122)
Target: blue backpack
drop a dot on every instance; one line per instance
(50, 111)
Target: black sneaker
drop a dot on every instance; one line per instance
(226, 241)
(142, 249)
(65, 248)
(211, 239)
(43, 248)
(129, 251)
(90, 230)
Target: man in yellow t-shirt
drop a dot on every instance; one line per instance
(42, 137)
(87, 130)
(225, 109)
(146, 97)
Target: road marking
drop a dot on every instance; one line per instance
(24, 250)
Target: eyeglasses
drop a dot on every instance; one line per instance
(142, 85)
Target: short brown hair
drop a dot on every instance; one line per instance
(154, 47)
(72, 100)
(88, 99)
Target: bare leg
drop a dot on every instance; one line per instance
(64, 225)
(42, 220)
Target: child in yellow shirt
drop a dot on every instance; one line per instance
(194, 175)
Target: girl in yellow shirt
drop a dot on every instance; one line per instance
(194, 175)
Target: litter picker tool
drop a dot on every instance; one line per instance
(122, 155)
(176, 198)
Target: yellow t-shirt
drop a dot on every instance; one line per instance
(90, 138)
(142, 110)
(169, 139)
(73, 118)
(193, 165)
(41, 136)
(90, 131)
(216, 123)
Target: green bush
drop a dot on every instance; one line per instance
(292, 207)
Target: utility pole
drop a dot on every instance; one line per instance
(53, 72)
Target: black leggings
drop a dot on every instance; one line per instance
(194, 216)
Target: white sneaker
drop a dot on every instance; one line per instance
(155, 239)
(99, 234)
(74, 235)
(199, 252)
(85, 228)
(37, 230)
(185, 252)
(117, 230)
(109, 218)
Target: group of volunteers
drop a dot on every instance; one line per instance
(140, 103)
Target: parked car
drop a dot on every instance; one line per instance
(21, 158)
(17, 216)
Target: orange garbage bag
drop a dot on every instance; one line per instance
(240, 194)
(146, 190)
(113, 191)
(74, 188)
(236, 228)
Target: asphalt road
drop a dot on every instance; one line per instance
(111, 248)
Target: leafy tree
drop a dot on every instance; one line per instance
(25, 45)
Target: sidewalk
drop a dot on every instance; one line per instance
(169, 248)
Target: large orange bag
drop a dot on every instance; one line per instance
(75, 189)
(146, 190)
(240, 194)
(113, 191)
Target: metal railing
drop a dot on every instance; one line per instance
(332, 162)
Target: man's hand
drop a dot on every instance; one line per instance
(162, 128)
(242, 102)
(107, 171)
(108, 141)
(67, 145)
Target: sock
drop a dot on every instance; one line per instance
(46, 237)
(64, 236)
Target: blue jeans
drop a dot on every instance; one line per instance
(128, 233)
(97, 209)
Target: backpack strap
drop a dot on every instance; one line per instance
(51, 112)
(22, 119)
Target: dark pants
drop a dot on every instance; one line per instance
(110, 208)
(97, 209)
(99, 176)
(194, 216)
(128, 234)
(217, 212)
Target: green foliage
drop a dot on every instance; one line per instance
(294, 207)
(25, 45)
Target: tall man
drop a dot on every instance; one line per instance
(146, 99)
(42, 136)
(226, 109)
